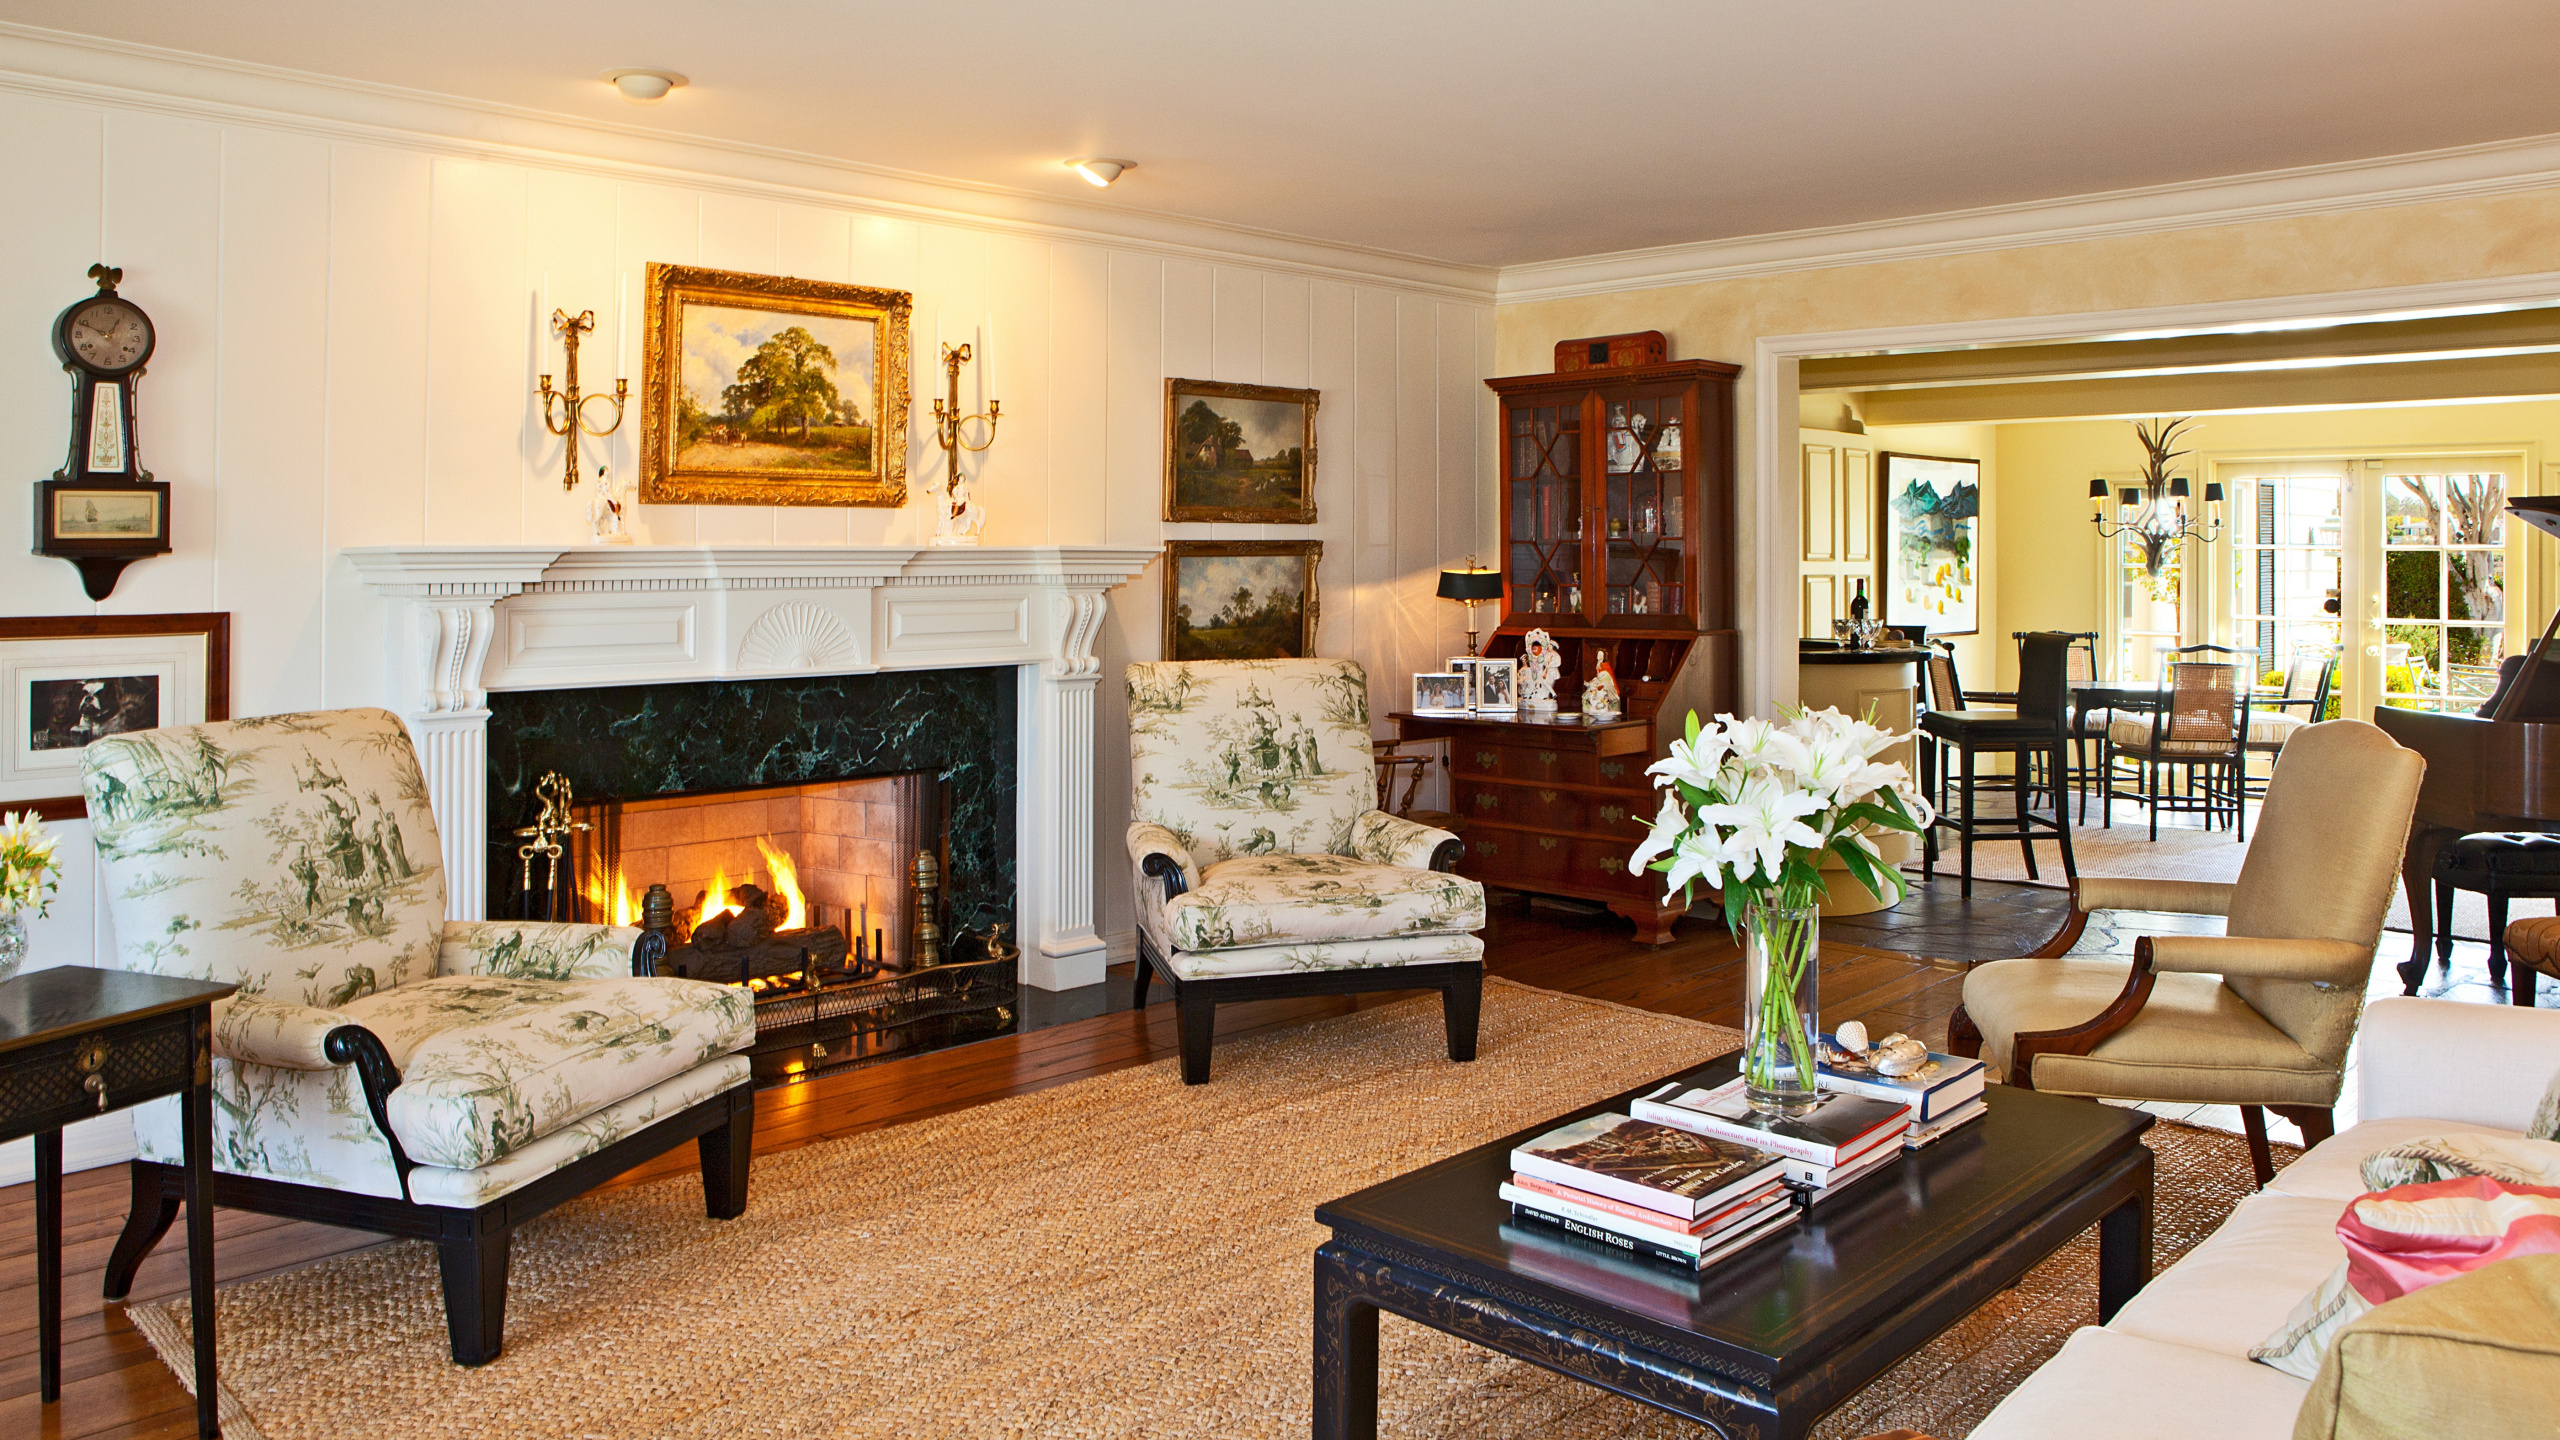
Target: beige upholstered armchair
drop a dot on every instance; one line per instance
(382, 1067)
(1264, 867)
(2260, 1015)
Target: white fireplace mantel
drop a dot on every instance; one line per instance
(469, 619)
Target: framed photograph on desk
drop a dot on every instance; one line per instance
(1440, 692)
(68, 680)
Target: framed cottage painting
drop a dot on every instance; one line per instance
(1240, 599)
(765, 390)
(1930, 515)
(1244, 453)
(67, 681)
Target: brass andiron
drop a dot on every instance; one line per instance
(544, 835)
(564, 411)
(928, 934)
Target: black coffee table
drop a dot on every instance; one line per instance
(1762, 1343)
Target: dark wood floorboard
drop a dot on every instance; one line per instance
(116, 1389)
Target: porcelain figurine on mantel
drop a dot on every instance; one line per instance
(1539, 671)
(1600, 695)
(609, 513)
(958, 519)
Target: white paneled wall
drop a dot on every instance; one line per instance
(351, 325)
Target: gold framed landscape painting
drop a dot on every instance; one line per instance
(1244, 453)
(1240, 599)
(766, 390)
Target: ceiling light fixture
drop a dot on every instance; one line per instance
(2155, 514)
(1100, 173)
(643, 87)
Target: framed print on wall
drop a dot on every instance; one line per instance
(1244, 453)
(765, 390)
(68, 680)
(1929, 515)
(1240, 599)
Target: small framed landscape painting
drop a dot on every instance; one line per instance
(764, 390)
(1440, 692)
(1930, 517)
(1239, 453)
(1240, 599)
(67, 681)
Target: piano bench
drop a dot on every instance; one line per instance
(2501, 865)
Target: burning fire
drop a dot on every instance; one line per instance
(786, 883)
(611, 894)
(612, 898)
(715, 900)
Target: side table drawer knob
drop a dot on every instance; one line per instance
(91, 1062)
(97, 1086)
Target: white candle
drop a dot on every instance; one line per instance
(987, 358)
(621, 328)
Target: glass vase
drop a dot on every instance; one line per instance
(1781, 974)
(13, 942)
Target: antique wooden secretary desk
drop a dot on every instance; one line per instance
(1618, 541)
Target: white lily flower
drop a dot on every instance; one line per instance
(1667, 830)
(1766, 818)
(1702, 855)
(1698, 762)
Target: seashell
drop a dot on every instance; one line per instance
(1852, 1037)
(1899, 1055)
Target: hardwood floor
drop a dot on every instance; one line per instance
(115, 1387)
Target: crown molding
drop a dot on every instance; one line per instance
(92, 70)
(2496, 168)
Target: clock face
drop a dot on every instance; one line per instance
(109, 334)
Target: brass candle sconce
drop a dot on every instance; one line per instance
(947, 417)
(564, 411)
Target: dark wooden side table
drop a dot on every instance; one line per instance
(77, 1042)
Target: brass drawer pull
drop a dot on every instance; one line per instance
(91, 1062)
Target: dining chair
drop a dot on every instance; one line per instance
(2307, 677)
(2033, 729)
(2199, 732)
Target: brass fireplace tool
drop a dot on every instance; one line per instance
(544, 835)
(564, 411)
(928, 935)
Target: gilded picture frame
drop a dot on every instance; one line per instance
(1208, 425)
(768, 390)
(1257, 598)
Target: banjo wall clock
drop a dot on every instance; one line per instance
(102, 511)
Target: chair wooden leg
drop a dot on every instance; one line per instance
(475, 1294)
(1461, 1005)
(2316, 1122)
(726, 1153)
(155, 1209)
(1138, 990)
(2062, 823)
(1964, 842)
(2497, 937)
(1198, 1019)
(1963, 1036)
(2253, 1123)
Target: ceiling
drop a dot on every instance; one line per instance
(1486, 132)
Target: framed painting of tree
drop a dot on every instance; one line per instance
(1244, 453)
(763, 390)
(1240, 599)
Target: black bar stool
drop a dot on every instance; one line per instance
(2034, 730)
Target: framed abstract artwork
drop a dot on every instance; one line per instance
(1929, 514)
(1244, 453)
(765, 390)
(69, 680)
(1240, 599)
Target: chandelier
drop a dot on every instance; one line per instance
(2154, 513)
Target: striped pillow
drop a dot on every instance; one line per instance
(2404, 1240)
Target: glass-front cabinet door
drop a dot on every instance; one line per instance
(1644, 515)
(1547, 509)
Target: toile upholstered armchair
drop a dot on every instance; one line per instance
(382, 1067)
(1264, 867)
(2258, 1016)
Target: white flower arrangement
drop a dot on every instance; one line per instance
(29, 872)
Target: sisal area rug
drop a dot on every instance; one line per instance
(1117, 1257)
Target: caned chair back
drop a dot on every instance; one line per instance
(2321, 867)
(2204, 703)
(1945, 693)
(2081, 665)
(1251, 757)
(291, 855)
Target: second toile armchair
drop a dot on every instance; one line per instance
(1264, 868)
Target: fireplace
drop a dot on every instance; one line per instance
(783, 821)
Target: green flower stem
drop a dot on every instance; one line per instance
(1784, 938)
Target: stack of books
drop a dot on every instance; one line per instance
(1647, 1189)
(1840, 1139)
(1942, 1096)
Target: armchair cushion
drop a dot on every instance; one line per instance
(490, 1063)
(527, 950)
(1335, 955)
(2193, 1040)
(2132, 733)
(1394, 840)
(2321, 962)
(265, 1032)
(1264, 900)
(2177, 897)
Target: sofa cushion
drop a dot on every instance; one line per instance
(2106, 1385)
(490, 1063)
(1334, 955)
(2227, 1294)
(2333, 1169)
(2476, 1355)
(1262, 900)
(2463, 1152)
(2196, 1038)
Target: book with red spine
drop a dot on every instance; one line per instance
(1658, 1167)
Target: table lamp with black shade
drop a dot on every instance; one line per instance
(1469, 586)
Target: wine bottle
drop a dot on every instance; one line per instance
(1858, 604)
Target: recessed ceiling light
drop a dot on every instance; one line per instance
(1100, 173)
(643, 87)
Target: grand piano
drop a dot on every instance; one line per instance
(2496, 769)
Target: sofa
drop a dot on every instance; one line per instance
(2173, 1364)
